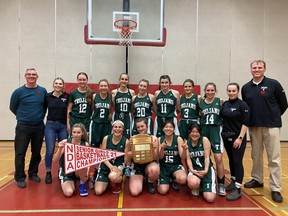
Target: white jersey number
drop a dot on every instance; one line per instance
(82, 108)
(209, 120)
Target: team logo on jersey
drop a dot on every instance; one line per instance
(263, 89)
(121, 116)
(233, 109)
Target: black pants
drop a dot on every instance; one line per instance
(235, 159)
(24, 134)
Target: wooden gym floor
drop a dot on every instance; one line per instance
(42, 199)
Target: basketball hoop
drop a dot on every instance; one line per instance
(124, 28)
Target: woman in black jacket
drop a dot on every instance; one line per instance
(235, 114)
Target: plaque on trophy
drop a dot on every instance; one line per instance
(142, 148)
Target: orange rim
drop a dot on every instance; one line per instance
(125, 28)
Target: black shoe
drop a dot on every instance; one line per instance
(234, 195)
(151, 188)
(48, 178)
(175, 186)
(231, 186)
(253, 184)
(34, 178)
(21, 184)
(276, 196)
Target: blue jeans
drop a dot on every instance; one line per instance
(53, 130)
(24, 134)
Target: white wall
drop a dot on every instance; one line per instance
(208, 40)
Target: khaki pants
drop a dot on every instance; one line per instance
(270, 138)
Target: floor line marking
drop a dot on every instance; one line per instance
(6, 176)
(131, 210)
(121, 198)
(272, 203)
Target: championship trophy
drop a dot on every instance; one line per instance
(142, 148)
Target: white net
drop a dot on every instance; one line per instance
(125, 37)
(125, 28)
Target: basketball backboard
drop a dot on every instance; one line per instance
(147, 14)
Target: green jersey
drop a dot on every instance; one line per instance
(142, 106)
(197, 154)
(123, 102)
(171, 153)
(210, 113)
(120, 146)
(102, 108)
(189, 107)
(81, 108)
(166, 105)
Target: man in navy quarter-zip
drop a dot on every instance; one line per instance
(267, 102)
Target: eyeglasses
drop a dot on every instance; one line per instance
(31, 74)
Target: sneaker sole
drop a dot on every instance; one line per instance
(86, 194)
(222, 194)
(258, 186)
(195, 194)
(22, 185)
(34, 180)
(232, 199)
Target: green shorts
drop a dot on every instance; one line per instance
(84, 121)
(97, 132)
(166, 172)
(213, 133)
(103, 173)
(68, 177)
(158, 126)
(184, 127)
(208, 182)
(139, 169)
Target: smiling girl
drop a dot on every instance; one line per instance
(78, 137)
(211, 121)
(168, 104)
(80, 103)
(56, 127)
(201, 173)
(172, 150)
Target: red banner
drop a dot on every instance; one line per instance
(78, 157)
